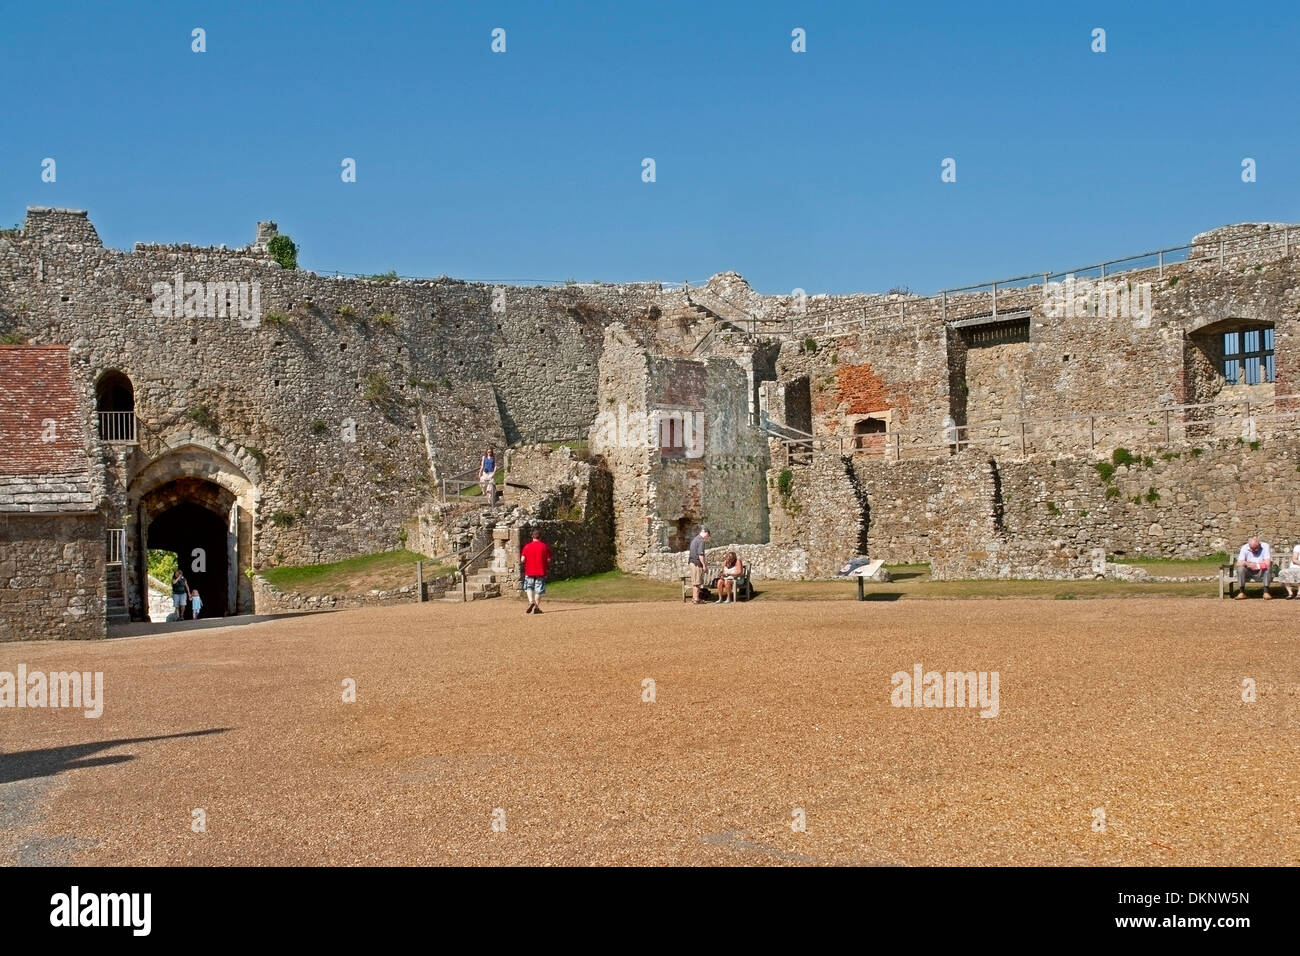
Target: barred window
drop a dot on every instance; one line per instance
(1248, 356)
(998, 333)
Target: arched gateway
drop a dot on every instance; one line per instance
(197, 501)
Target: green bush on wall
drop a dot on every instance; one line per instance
(284, 251)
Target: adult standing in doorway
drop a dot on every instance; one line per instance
(699, 564)
(180, 593)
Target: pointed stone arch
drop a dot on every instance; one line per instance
(196, 496)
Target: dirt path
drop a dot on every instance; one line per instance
(1133, 707)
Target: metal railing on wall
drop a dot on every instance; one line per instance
(1247, 419)
(115, 545)
(117, 427)
(1000, 295)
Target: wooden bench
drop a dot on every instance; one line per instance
(1228, 577)
(862, 573)
(744, 586)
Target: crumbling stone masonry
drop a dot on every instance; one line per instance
(940, 428)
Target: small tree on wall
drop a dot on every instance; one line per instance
(284, 251)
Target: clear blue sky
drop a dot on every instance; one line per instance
(818, 170)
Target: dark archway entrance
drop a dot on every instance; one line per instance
(194, 496)
(196, 519)
(198, 536)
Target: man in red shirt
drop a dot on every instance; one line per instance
(537, 559)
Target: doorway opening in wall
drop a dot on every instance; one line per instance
(798, 405)
(198, 538)
(869, 433)
(679, 538)
(115, 408)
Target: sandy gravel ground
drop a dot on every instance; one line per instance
(1132, 706)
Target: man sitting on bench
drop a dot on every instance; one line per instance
(1254, 563)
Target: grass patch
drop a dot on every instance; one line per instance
(610, 587)
(910, 582)
(204, 417)
(498, 479)
(1176, 567)
(385, 570)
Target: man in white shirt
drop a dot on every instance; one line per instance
(1254, 563)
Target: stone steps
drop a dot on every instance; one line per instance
(115, 610)
(479, 585)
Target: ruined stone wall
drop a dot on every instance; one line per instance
(571, 500)
(51, 577)
(1175, 503)
(897, 372)
(716, 477)
(624, 381)
(582, 545)
(425, 372)
(428, 372)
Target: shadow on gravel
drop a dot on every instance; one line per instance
(29, 764)
(142, 628)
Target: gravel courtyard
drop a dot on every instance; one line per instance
(482, 735)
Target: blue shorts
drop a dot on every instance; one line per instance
(535, 584)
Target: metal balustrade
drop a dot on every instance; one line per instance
(1166, 426)
(1000, 295)
(117, 428)
(116, 545)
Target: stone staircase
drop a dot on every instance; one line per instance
(116, 611)
(729, 317)
(799, 446)
(481, 582)
(479, 585)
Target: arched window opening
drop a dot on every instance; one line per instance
(115, 408)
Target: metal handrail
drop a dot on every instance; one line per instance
(462, 480)
(795, 437)
(115, 545)
(117, 427)
(1164, 415)
(811, 322)
(465, 563)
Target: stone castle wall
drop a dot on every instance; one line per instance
(426, 372)
(52, 569)
(343, 409)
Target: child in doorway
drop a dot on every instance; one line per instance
(196, 603)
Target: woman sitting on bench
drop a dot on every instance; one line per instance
(732, 568)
